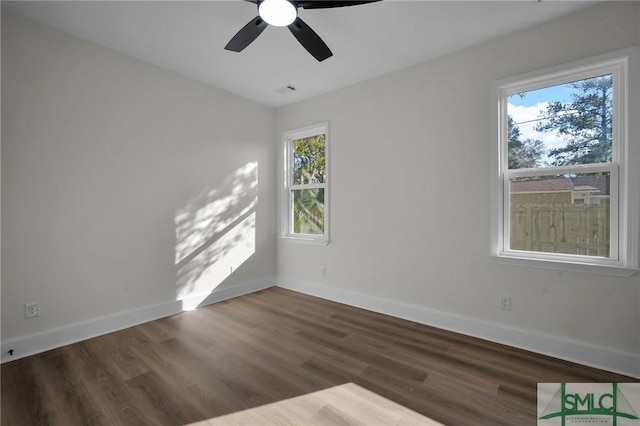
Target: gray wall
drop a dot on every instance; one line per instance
(124, 186)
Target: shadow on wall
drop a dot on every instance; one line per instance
(215, 234)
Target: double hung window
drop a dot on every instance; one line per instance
(306, 190)
(564, 193)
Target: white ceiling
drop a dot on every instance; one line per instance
(367, 40)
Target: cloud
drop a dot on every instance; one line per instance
(526, 118)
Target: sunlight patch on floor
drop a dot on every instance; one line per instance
(347, 404)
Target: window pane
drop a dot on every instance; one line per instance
(561, 125)
(309, 160)
(567, 214)
(308, 211)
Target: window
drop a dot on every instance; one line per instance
(563, 192)
(306, 190)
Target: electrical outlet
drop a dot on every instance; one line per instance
(31, 310)
(505, 303)
(323, 271)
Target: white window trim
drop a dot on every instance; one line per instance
(285, 217)
(626, 63)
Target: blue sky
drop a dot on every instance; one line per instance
(526, 110)
(554, 93)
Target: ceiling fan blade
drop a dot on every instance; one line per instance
(246, 35)
(326, 4)
(310, 40)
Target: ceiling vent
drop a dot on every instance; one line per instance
(286, 89)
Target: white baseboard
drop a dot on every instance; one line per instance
(625, 363)
(582, 353)
(51, 339)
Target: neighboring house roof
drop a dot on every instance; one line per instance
(586, 188)
(543, 185)
(600, 182)
(596, 184)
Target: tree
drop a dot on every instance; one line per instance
(585, 123)
(309, 162)
(308, 210)
(522, 154)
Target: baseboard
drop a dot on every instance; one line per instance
(51, 339)
(574, 351)
(579, 352)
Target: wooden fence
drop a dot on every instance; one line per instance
(581, 229)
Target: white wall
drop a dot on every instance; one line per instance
(109, 164)
(410, 213)
(112, 166)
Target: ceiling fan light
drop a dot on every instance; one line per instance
(278, 13)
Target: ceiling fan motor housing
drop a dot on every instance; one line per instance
(285, 13)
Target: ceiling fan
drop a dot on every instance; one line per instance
(284, 13)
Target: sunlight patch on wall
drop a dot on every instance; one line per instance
(216, 233)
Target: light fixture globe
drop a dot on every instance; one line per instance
(278, 13)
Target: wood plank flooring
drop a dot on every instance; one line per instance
(239, 361)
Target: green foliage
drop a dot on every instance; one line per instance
(309, 168)
(308, 211)
(585, 122)
(309, 160)
(522, 154)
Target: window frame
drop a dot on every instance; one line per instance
(288, 186)
(623, 257)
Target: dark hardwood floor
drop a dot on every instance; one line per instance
(271, 346)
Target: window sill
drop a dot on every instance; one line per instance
(303, 240)
(611, 271)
